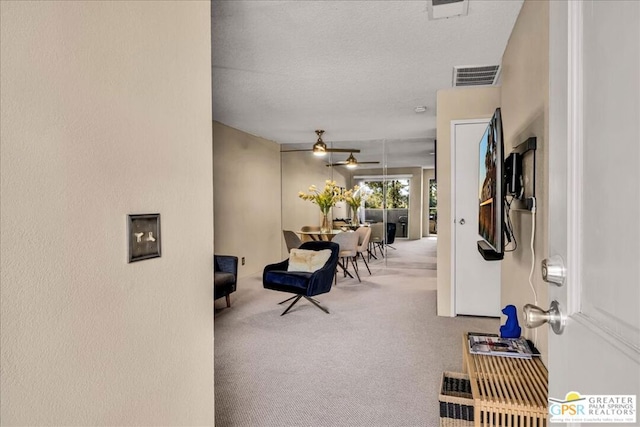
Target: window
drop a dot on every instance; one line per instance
(433, 206)
(388, 201)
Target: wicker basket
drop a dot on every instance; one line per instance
(456, 401)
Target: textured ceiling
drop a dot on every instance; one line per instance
(356, 69)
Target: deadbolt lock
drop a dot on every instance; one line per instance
(553, 270)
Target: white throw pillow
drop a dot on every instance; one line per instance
(307, 260)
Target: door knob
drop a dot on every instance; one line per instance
(462, 221)
(553, 270)
(534, 317)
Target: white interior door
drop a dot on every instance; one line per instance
(594, 197)
(476, 282)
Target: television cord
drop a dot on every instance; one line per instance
(511, 237)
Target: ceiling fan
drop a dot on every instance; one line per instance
(351, 162)
(321, 149)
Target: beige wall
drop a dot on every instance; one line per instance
(525, 112)
(454, 104)
(246, 177)
(427, 175)
(106, 111)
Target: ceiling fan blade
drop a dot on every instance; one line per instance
(345, 164)
(342, 150)
(320, 147)
(329, 150)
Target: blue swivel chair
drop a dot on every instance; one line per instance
(303, 284)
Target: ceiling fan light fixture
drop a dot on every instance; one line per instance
(352, 162)
(319, 149)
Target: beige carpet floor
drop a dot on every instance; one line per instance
(376, 360)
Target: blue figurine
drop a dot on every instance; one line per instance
(510, 329)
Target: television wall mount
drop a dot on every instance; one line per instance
(528, 146)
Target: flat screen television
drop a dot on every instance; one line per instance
(491, 190)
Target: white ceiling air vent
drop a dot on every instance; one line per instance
(439, 9)
(484, 75)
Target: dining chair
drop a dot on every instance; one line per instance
(348, 242)
(291, 239)
(376, 240)
(306, 237)
(391, 234)
(364, 234)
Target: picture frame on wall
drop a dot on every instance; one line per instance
(144, 236)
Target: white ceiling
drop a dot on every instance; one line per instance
(357, 69)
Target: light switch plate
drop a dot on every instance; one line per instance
(144, 236)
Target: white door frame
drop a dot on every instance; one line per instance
(455, 123)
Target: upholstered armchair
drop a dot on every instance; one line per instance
(225, 276)
(305, 273)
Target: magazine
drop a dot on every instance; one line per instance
(496, 346)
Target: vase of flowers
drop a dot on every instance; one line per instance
(325, 225)
(354, 216)
(354, 198)
(325, 199)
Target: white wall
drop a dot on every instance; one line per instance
(106, 111)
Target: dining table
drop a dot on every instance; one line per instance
(319, 235)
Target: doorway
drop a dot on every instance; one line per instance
(475, 282)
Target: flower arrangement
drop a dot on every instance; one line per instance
(325, 199)
(354, 198)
